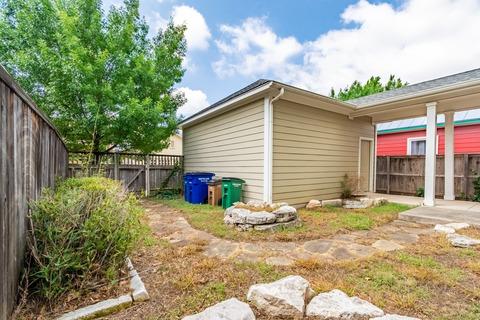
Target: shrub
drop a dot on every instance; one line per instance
(476, 189)
(346, 185)
(420, 192)
(82, 232)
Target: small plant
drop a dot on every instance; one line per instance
(346, 185)
(420, 192)
(476, 189)
(81, 233)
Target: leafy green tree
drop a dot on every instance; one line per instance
(99, 76)
(373, 85)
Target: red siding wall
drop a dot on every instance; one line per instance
(467, 140)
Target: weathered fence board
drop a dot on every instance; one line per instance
(138, 172)
(406, 174)
(32, 156)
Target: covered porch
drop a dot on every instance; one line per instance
(440, 96)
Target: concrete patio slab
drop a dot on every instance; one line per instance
(434, 215)
(445, 211)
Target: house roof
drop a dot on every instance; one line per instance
(460, 118)
(251, 86)
(417, 88)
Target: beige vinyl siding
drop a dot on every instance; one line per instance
(229, 145)
(312, 150)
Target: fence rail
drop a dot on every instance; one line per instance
(139, 172)
(406, 174)
(32, 156)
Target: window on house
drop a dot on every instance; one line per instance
(417, 147)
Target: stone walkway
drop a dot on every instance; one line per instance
(168, 223)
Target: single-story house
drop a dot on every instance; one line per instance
(294, 145)
(408, 137)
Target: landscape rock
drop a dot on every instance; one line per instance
(461, 241)
(443, 229)
(314, 204)
(361, 203)
(276, 226)
(337, 305)
(386, 245)
(256, 204)
(260, 217)
(231, 309)
(99, 309)
(457, 225)
(228, 211)
(332, 203)
(394, 317)
(244, 227)
(275, 206)
(285, 297)
(380, 201)
(139, 292)
(285, 214)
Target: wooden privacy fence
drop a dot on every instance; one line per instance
(138, 172)
(406, 174)
(32, 156)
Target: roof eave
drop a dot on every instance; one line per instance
(420, 94)
(226, 105)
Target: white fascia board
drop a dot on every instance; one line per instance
(227, 104)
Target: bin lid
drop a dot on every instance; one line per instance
(233, 179)
(199, 174)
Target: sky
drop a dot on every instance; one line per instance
(315, 44)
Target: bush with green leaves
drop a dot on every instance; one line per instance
(81, 234)
(476, 189)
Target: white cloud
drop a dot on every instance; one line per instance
(419, 40)
(197, 33)
(253, 49)
(196, 101)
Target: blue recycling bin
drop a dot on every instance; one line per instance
(197, 187)
(187, 190)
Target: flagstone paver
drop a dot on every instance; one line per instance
(169, 224)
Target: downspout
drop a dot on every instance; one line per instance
(268, 146)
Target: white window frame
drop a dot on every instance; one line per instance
(410, 140)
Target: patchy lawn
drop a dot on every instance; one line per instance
(321, 223)
(430, 280)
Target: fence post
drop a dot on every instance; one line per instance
(147, 175)
(465, 174)
(388, 174)
(115, 166)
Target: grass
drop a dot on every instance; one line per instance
(323, 222)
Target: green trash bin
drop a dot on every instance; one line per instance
(231, 191)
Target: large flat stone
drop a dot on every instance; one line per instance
(385, 245)
(231, 309)
(462, 241)
(99, 309)
(276, 226)
(337, 305)
(318, 246)
(332, 203)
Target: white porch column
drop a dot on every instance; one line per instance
(449, 156)
(430, 154)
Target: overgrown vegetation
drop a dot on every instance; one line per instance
(82, 232)
(322, 222)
